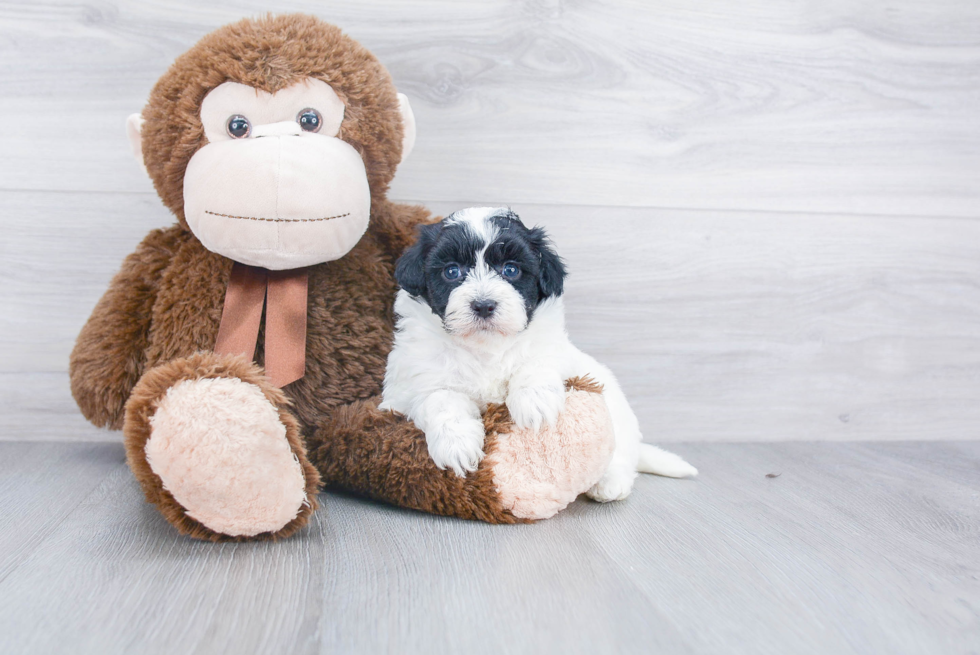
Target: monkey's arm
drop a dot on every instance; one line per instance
(108, 357)
(383, 455)
(525, 475)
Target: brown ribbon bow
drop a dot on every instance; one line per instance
(284, 295)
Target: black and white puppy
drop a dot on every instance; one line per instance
(481, 320)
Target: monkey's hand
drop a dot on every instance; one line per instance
(108, 357)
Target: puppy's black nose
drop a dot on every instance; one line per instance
(483, 308)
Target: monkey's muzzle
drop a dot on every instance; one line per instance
(281, 201)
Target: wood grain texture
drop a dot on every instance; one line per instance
(764, 319)
(854, 548)
(40, 485)
(721, 326)
(840, 106)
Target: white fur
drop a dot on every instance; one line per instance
(483, 283)
(508, 318)
(443, 378)
(475, 218)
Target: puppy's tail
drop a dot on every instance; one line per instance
(661, 462)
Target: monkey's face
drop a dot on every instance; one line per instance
(270, 139)
(274, 186)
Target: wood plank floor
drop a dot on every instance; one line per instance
(853, 548)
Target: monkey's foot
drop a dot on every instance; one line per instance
(539, 472)
(211, 442)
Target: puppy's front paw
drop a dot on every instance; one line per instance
(457, 445)
(534, 406)
(614, 485)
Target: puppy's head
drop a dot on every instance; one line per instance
(481, 271)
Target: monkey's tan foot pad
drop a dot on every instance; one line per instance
(228, 460)
(538, 473)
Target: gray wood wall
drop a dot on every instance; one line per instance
(771, 210)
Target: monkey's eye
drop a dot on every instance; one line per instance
(238, 127)
(451, 272)
(309, 120)
(511, 271)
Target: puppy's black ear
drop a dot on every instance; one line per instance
(551, 280)
(410, 267)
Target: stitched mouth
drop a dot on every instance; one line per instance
(277, 220)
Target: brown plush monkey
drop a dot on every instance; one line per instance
(242, 350)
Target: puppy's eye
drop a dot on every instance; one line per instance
(309, 120)
(238, 127)
(451, 272)
(511, 271)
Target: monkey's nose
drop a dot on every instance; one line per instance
(483, 308)
(282, 128)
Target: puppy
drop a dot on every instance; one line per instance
(481, 320)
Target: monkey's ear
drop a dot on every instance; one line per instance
(410, 267)
(408, 125)
(134, 130)
(551, 281)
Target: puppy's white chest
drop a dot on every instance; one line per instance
(492, 391)
(486, 378)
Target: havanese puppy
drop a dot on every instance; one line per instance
(480, 319)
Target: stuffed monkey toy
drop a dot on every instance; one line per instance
(242, 350)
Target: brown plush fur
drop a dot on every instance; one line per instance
(143, 403)
(109, 354)
(583, 383)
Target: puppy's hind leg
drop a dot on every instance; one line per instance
(630, 455)
(617, 482)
